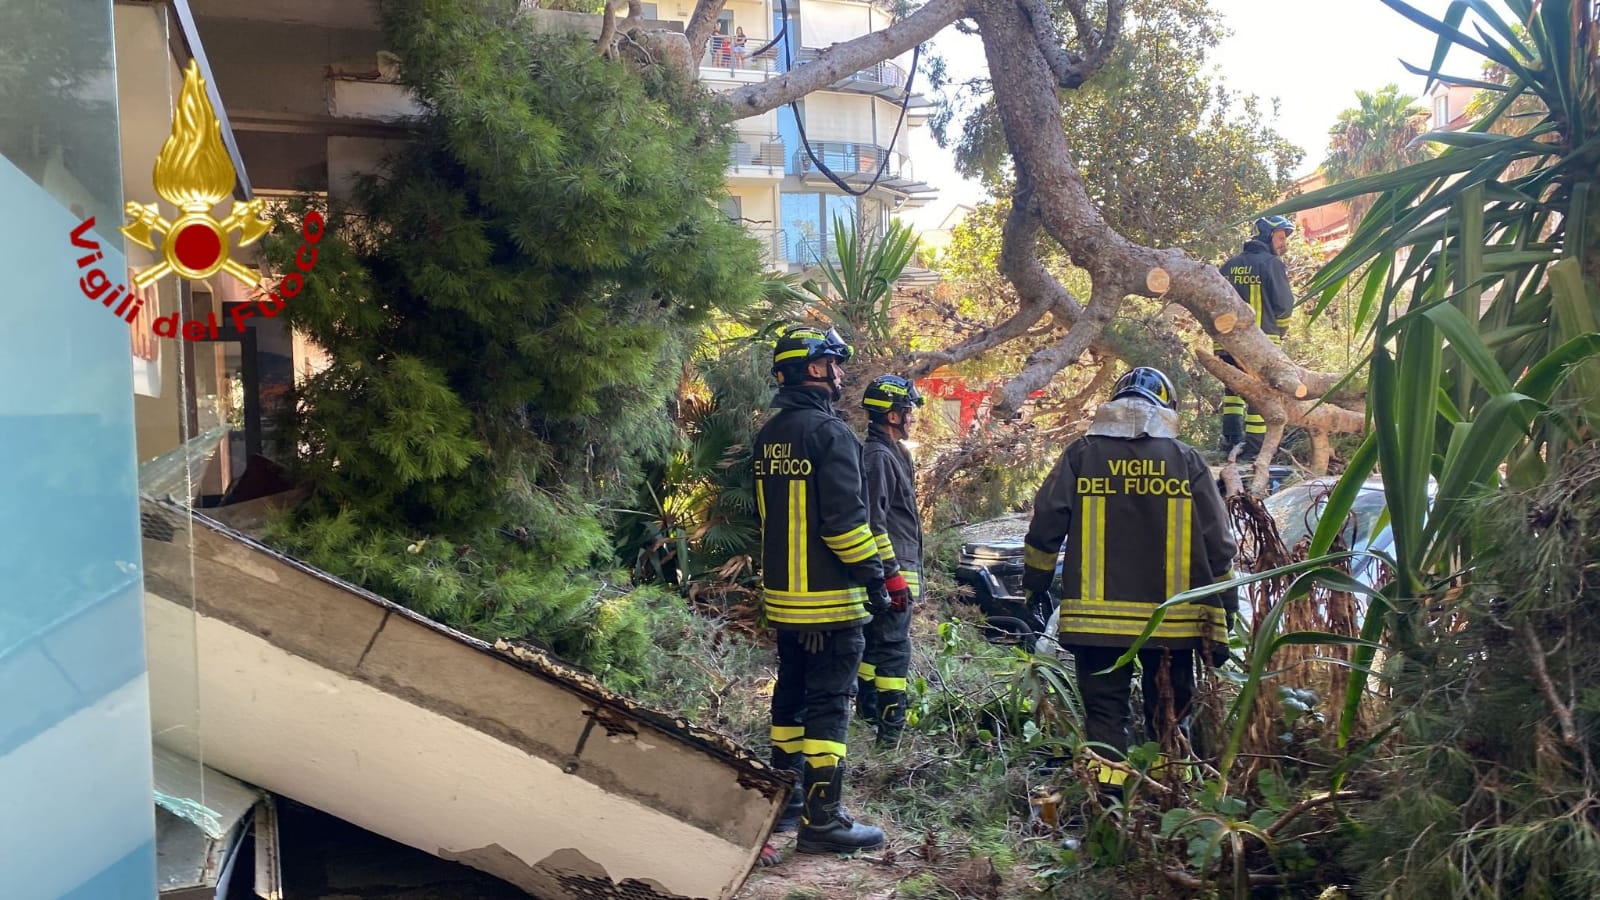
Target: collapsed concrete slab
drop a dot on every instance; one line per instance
(503, 758)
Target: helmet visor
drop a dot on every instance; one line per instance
(834, 345)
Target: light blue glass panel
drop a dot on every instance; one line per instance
(76, 820)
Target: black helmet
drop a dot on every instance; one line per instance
(1147, 383)
(801, 344)
(890, 392)
(1266, 225)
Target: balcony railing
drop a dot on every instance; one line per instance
(848, 158)
(873, 77)
(721, 55)
(758, 151)
(811, 250)
(774, 244)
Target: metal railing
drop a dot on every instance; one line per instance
(774, 244)
(849, 158)
(883, 73)
(811, 250)
(758, 151)
(721, 53)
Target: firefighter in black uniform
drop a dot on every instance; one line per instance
(1261, 279)
(891, 402)
(1122, 490)
(821, 575)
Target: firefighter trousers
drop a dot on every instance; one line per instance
(1106, 697)
(884, 667)
(1241, 423)
(811, 700)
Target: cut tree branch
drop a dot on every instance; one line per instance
(848, 58)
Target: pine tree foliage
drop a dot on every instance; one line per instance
(507, 305)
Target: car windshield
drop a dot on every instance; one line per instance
(1297, 510)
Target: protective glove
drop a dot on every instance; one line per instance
(878, 601)
(899, 592)
(813, 641)
(1040, 606)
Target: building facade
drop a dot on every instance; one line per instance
(857, 130)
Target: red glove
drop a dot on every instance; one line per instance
(899, 592)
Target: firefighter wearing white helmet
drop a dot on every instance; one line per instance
(1142, 520)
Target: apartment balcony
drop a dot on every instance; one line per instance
(886, 80)
(757, 157)
(774, 245)
(720, 62)
(858, 164)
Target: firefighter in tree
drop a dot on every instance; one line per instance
(1257, 272)
(1143, 520)
(822, 581)
(891, 403)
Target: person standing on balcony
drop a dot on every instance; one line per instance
(1117, 494)
(1257, 272)
(891, 402)
(822, 581)
(738, 47)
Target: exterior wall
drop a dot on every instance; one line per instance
(839, 117)
(825, 22)
(74, 714)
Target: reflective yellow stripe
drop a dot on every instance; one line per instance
(1234, 404)
(890, 684)
(1108, 775)
(849, 538)
(761, 500)
(861, 553)
(1254, 424)
(1255, 302)
(797, 536)
(790, 354)
(815, 607)
(788, 738)
(1129, 620)
(885, 547)
(867, 671)
(1094, 550)
(1178, 549)
(873, 401)
(1034, 558)
(823, 754)
(913, 579)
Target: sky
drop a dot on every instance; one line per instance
(1312, 55)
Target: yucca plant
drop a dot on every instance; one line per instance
(856, 290)
(1478, 291)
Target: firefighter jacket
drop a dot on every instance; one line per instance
(1143, 520)
(817, 547)
(890, 487)
(1262, 281)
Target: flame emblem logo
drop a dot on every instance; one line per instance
(194, 174)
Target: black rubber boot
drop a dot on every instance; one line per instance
(891, 717)
(867, 700)
(827, 829)
(794, 810)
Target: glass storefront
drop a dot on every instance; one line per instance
(74, 713)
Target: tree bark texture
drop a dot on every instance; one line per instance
(1029, 63)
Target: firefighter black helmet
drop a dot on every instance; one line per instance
(1148, 383)
(1266, 225)
(801, 344)
(890, 392)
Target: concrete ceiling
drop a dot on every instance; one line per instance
(357, 14)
